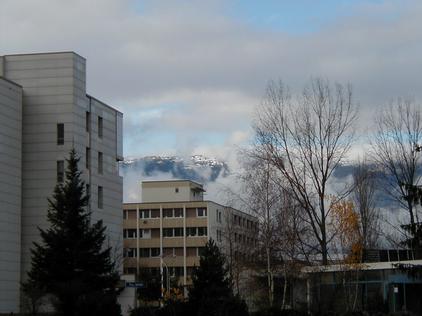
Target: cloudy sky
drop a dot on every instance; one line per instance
(187, 74)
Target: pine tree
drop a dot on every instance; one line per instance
(71, 263)
(211, 293)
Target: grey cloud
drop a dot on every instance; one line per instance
(186, 52)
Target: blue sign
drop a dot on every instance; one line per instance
(135, 284)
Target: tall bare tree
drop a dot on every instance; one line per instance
(306, 138)
(364, 198)
(264, 197)
(396, 151)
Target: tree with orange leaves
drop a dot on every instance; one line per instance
(346, 221)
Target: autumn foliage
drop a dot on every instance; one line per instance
(347, 223)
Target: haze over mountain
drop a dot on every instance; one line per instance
(196, 168)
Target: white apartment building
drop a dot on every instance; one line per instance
(44, 112)
(167, 231)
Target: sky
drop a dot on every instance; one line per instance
(188, 74)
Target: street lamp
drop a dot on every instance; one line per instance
(162, 276)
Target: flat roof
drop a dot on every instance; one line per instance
(175, 180)
(45, 53)
(103, 103)
(359, 266)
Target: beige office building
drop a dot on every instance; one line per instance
(168, 230)
(44, 112)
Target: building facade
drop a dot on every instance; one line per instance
(44, 113)
(168, 230)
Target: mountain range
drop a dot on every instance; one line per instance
(197, 168)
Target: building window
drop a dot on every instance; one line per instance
(60, 134)
(100, 127)
(144, 214)
(144, 252)
(125, 214)
(219, 235)
(202, 231)
(100, 197)
(145, 233)
(60, 171)
(129, 252)
(168, 212)
(87, 157)
(129, 233)
(191, 231)
(178, 232)
(100, 162)
(201, 212)
(169, 252)
(167, 232)
(155, 213)
(218, 215)
(178, 212)
(88, 122)
(155, 252)
(176, 190)
(200, 251)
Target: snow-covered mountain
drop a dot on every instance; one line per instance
(197, 168)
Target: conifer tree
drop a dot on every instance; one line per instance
(211, 293)
(71, 263)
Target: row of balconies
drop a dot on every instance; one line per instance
(167, 242)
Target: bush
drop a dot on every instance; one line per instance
(277, 311)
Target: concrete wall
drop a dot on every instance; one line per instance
(171, 191)
(10, 194)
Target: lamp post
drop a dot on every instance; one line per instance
(162, 277)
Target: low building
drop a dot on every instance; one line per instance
(166, 233)
(387, 281)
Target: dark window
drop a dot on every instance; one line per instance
(201, 212)
(144, 214)
(129, 252)
(168, 232)
(202, 231)
(87, 157)
(88, 122)
(60, 171)
(60, 134)
(129, 233)
(100, 162)
(155, 252)
(178, 212)
(144, 252)
(100, 127)
(176, 190)
(191, 231)
(100, 197)
(201, 251)
(155, 213)
(168, 212)
(178, 232)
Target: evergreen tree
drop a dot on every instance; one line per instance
(71, 263)
(211, 293)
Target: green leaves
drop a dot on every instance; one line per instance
(71, 263)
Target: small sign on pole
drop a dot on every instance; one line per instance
(135, 284)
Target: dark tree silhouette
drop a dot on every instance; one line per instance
(211, 292)
(71, 264)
